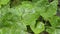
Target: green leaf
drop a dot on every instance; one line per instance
(39, 27)
(28, 13)
(3, 2)
(10, 21)
(53, 31)
(50, 9)
(16, 29)
(42, 3)
(9, 16)
(55, 21)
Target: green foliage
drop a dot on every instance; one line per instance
(3, 2)
(55, 21)
(17, 14)
(53, 30)
(39, 27)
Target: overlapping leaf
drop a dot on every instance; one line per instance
(52, 6)
(28, 13)
(10, 22)
(14, 20)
